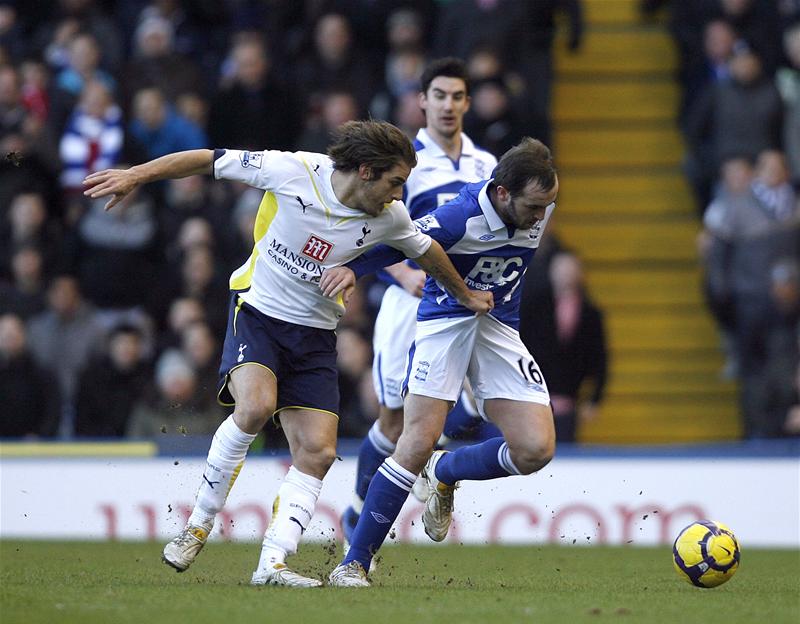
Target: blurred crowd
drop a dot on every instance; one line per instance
(111, 322)
(740, 116)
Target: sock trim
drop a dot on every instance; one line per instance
(398, 475)
(504, 459)
(381, 443)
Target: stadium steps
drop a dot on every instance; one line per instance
(626, 209)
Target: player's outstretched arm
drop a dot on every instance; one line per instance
(436, 264)
(120, 182)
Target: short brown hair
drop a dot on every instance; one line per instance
(528, 161)
(378, 144)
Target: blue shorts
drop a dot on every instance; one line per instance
(303, 359)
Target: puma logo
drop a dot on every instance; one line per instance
(303, 205)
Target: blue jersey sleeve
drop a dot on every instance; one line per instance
(375, 259)
(446, 225)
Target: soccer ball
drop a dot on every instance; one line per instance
(706, 553)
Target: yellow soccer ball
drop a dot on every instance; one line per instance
(706, 553)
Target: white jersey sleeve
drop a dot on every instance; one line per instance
(263, 170)
(404, 236)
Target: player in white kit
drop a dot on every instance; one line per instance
(446, 160)
(279, 355)
(490, 231)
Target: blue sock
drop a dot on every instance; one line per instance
(478, 462)
(388, 491)
(462, 420)
(374, 449)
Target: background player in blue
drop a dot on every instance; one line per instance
(446, 160)
(279, 355)
(490, 232)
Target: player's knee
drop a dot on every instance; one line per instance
(533, 456)
(252, 414)
(316, 459)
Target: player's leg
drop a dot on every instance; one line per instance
(501, 368)
(308, 402)
(254, 388)
(390, 487)
(393, 336)
(437, 365)
(312, 442)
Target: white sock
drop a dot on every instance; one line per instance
(225, 458)
(381, 443)
(291, 513)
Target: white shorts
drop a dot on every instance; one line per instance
(489, 353)
(392, 338)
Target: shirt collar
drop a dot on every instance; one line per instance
(467, 146)
(492, 218)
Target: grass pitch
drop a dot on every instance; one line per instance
(55, 582)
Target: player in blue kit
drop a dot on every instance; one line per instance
(490, 232)
(279, 355)
(446, 160)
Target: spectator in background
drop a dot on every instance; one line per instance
(175, 406)
(788, 81)
(111, 384)
(70, 83)
(35, 85)
(566, 331)
(491, 121)
(712, 67)
(30, 405)
(64, 338)
(115, 255)
(200, 348)
(156, 64)
(201, 280)
(26, 223)
(337, 108)
(757, 22)
(253, 111)
(748, 231)
(93, 138)
(404, 69)
(24, 295)
(183, 312)
(334, 63)
(158, 129)
(65, 19)
(12, 108)
(738, 117)
(12, 37)
(783, 352)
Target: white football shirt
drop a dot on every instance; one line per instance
(302, 229)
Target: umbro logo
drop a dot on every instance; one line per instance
(303, 205)
(364, 231)
(486, 237)
(379, 517)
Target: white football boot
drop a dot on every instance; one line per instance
(351, 574)
(438, 512)
(282, 576)
(182, 550)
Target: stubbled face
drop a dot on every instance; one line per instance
(527, 209)
(375, 194)
(445, 103)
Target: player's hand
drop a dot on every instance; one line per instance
(479, 301)
(115, 182)
(338, 280)
(412, 281)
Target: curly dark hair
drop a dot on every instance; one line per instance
(378, 144)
